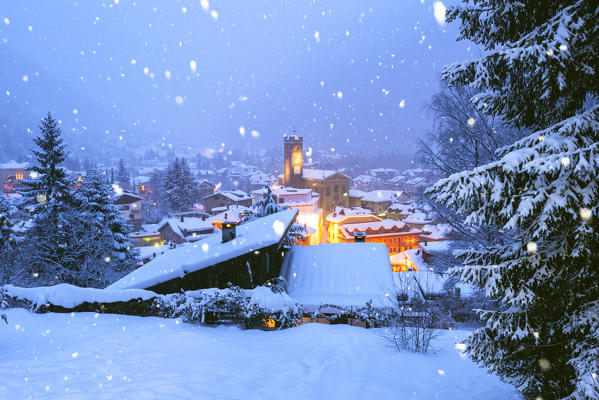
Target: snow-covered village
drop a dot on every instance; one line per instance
(315, 199)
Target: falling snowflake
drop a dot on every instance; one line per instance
(439, 11)
(278, 227)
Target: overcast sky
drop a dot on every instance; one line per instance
(346, 74)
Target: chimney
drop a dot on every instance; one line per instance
(229, 231)
(359, 237)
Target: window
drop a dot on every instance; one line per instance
(328, 190)
(335, 189)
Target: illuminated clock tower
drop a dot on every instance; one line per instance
(294, 161)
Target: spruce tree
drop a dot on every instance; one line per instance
(180, 188)
(49, 188)
(47, 197)
(189, 186)
(108, 230)
(122, 176)
(537, 71)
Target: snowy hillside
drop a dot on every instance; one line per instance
(86, 355)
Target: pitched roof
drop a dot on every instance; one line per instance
(341, 274)
(127, 198)
(321, 174)
(176, 263)
(384, 227)
(188, 226)
(341, 213)
(379, 196)
(234, 195)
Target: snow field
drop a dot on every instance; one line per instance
(107, 356)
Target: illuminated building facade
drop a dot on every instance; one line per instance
(345, 222)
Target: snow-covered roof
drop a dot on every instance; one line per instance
(356, 193)
(441, 246)
(383, 227)
(378, 196)
(340, 213)
(319, 174)
(251, 236)
(231, 213)
(234, 195)
(290, 190)
(14, 165)
(417, 218)
(436, 232)
(188, 226)
(341, 274)
(364, 179)
(127, 198)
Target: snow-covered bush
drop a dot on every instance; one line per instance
(249, 308)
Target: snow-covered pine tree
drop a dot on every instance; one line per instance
(95, 200)
(268, 206)
(538, 70)
(122, 176)
(189, 186)
(7, 241)
(47, 197)
(180, 187)
(49, 188)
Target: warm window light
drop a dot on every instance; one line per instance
(269, 323)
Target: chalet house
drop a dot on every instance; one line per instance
(247, 256)
(226, 198)
(184, 229)
(206, 188)
(11, 173)
(130, 207)
(379, 200)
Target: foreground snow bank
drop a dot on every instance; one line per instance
(92, 356)
(69, 296)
